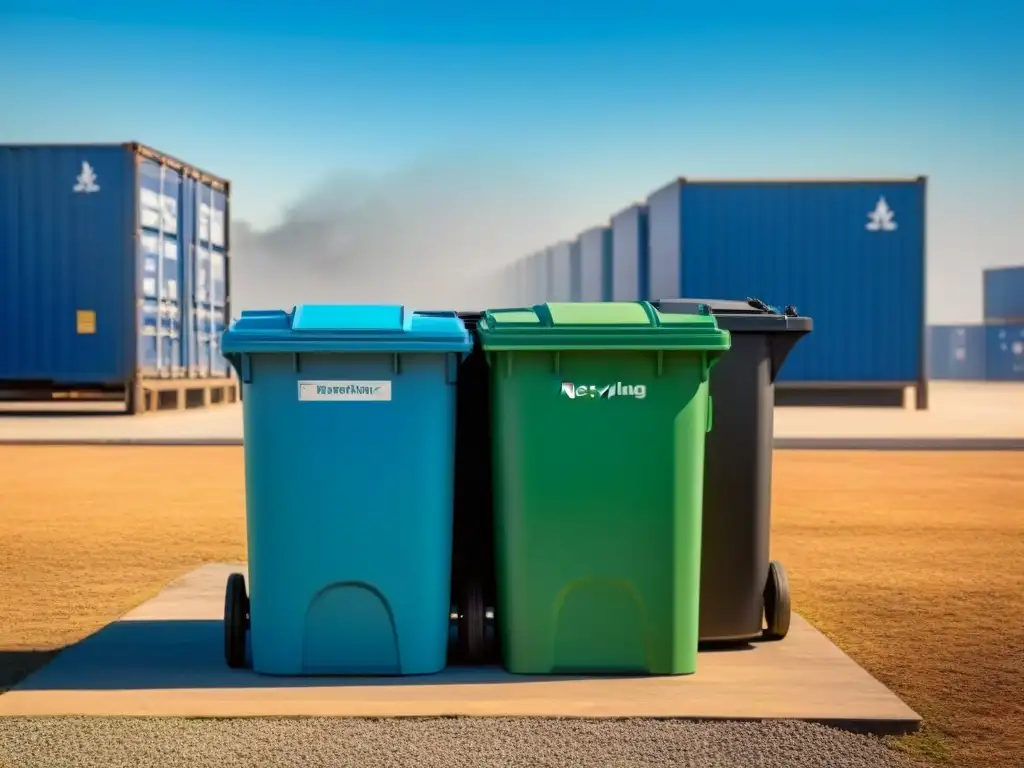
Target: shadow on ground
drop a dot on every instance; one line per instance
(15, 666)
(153, 655)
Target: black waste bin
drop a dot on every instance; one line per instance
(740, 585)
(473, 573)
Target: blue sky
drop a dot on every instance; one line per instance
(593, 102)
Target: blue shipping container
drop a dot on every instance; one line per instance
(523, 280)
(629, 254)
(1003, 291)
(547, 275)
(114, 266)
(536, 276)
(575, 278)
(1004, 352)
(596, 264)
(956, 352)
(560, 255)
(850, 254)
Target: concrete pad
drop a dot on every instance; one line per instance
(165, 658)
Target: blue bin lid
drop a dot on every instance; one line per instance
(346, 328)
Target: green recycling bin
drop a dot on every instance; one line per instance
(599, 416)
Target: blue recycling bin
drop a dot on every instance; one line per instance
(349, 416)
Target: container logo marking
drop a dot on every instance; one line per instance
(86, 184)
(882, 219)
(344, 391)
(606, 392)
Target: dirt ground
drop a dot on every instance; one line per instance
(911, 562)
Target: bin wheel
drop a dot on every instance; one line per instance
(777, 603)
(236, 621)
(472, 626)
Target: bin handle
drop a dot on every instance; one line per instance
(436, 313)
(711, 413)
(789, 311)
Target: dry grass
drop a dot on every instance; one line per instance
(90, 532)
(914, 564)
(911, 562)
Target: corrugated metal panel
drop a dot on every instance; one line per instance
(525, 280)
(533, 268)
(665, 242)
(629, 254)
(514, 276)
(97, 255)
(543, 274)
(849, 254)
(547, 275)
(956, 352)
(1004, 295)
(560, 256)
(596, 264)
(528, 280)
(1004, 352)
(575, 278)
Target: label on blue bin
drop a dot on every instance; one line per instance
(338, 391)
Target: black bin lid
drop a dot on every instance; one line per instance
(750, 316)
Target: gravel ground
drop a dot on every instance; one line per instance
(424, 743)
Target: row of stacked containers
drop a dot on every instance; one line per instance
(114, 268)
(849, 253)
(992, 351)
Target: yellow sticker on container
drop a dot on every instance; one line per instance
(85, 321)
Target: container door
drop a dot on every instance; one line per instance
(161, 352)
(220, 367)
(210, 282)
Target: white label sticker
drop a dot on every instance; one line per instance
(334, 391)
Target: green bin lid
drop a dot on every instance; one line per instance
(600, 325)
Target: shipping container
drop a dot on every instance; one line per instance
(560, 256)
(515, 282)
(534, 277)
(630, 254)
(575, 278)
(548, 274)
(850, 254)
(114, 267)
(526, 279)
(1004, 352)
(956, 352)
(1003, 291)
(596, 264)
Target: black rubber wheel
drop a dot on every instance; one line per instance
(778, 606)
(236, 621)
(472, 623)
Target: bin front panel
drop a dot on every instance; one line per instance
(598, 488)
(349, 461)
(598, 473)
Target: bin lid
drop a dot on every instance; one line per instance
(599, 325)
(347, 328)
(740, 316)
